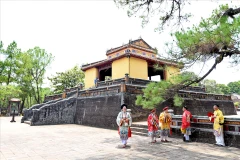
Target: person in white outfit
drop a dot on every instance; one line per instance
(124, 122)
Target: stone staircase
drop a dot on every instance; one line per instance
(27, 121)
(140, 128)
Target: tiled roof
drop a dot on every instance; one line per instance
(155, 60)
(131, 43)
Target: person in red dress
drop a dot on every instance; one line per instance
(185, 128)
(153, 124)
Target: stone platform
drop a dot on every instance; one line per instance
(99, 106)
(20, 141)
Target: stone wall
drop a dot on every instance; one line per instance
(27, 114)
(200, 107)
(100, 106)
(60, 112)
(100, 111)
(138, 114)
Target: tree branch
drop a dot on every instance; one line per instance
(231, 12)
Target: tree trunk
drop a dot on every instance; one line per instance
(9, 76)
(22, 105)
(38, 94)
(30, 101)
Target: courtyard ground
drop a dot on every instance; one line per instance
(20, 141)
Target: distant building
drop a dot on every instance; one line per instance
(235, 98)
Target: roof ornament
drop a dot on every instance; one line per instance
(130, 41)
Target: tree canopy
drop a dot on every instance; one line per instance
(40, 60)
(8, 66)
(8, 92)
(234, 87)
(215, 37)
(67, 79)
(22, 73)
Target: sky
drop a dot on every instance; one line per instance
(80, 31)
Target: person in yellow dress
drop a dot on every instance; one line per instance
(218, 125)
(164, 121)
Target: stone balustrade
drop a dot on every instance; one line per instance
(52, 97)
(201, 95)
(202, 129)
(110, 82)
(105, 90)
(195, 89)
(132, 85)
(231, 123)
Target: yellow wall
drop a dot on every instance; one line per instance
(138, 68)
(120, 67)
(135, 67)
(171, 71)
(90, 76)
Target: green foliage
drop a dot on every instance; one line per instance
(8, 92)
(153, 94)
(68, 79)
(185, 77)
(25, 70)
(8, 66)
(40, 60)
(234, 87)
(178, 101)
(1, 60)
(211, 86)
(236, 104)
(44, 92)
(190, 76)
(158, 92)
(223, 89)
(210, 37)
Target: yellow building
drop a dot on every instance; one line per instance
(136, 58)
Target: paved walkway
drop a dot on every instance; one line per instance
(72, 142)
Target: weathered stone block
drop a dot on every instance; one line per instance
(98, 111)
(60, 112)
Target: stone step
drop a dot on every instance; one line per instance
(139, 133)
(138, 129)
(27, 122)
(139, 126)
